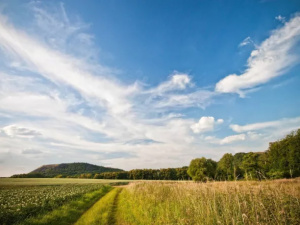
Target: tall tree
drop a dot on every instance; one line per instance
(237, 165)
(202, 169)
(251, 166)
(225, 168)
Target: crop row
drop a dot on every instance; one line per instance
(19, 203)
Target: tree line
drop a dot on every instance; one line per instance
(281, 160)
(148, 174)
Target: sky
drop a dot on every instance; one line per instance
(145, 84)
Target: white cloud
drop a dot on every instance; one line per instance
(178, 81)
(280, 18)
(18, 131)
(60, 68)
(200, 98)
(233, 138)
(205, 123)
(226, 140)
(31, 151)
(269, 60)
(253, 135)
(245, 42)
(61, 32)
(290, 123)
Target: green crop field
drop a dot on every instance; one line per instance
(22, 199)
(88, 201)
(52, 181)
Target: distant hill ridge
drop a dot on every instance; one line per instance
(71, 169)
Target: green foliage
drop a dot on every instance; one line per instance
(202, 169)
(281, 160)
(147, 174)
(28, 175)
(225, 168)
(237, 165)
(284, 157)
(250, 165)
(59, 176)
(72, 170)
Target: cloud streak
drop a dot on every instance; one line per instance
(272, 58)
(292, 123)
(178, 81)
(16, 131)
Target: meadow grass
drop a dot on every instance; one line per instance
(69, 212)
(243, 202)
(102, 212)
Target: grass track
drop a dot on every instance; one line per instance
(70, 212)
(103, 212)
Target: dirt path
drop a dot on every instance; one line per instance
(114, 208)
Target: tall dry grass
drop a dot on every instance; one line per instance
(243, 202)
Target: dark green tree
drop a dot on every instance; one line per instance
(202, 169)
(251, 166)
(225, 168)
(284, 156)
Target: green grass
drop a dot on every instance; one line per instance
(245, 202)
(70, 212)
(103, 212)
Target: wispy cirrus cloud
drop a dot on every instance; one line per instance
(280, 18)
(272, 58)
(61, 68)
(289, 123)
(177, 81)
(226, 140)
(245, 42)
(76, 105)
(198, 98)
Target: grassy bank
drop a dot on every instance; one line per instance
(103, 212)
(268, 202)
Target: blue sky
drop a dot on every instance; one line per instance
(145, 84)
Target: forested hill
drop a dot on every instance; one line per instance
(71, 169)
